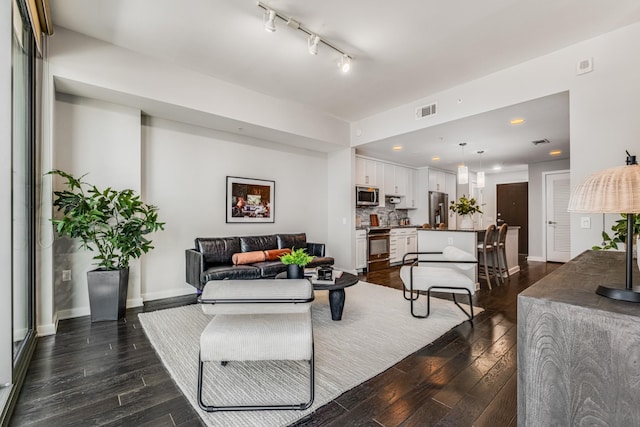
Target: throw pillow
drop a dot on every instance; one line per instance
(247, 257)
(275, 254)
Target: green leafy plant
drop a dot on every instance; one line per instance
(465, 206)
(619, 233)
(113, 223)
(297, 256)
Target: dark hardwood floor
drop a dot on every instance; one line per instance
(108, 374)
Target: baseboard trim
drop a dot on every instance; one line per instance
(536, 259)
(135, 302)
(50, 329)
(170, 293)
(74, 312)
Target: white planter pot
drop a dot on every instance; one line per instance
(466, 223)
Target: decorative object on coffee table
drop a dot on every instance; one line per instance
(250, 200)
(295, 262)
(114, 223)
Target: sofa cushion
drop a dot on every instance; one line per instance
(248, 257)
(258, 243)
(270, 268)
(221, 272)
(217, 250)
(275, 254)
(298, 241)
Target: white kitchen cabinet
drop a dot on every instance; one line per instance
(395, 180)
(367, 172)
(410, 200)
(361, 249)
(402, 240)
(437, 181)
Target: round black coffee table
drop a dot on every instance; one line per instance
(336, 291)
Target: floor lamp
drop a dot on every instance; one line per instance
(614, 190)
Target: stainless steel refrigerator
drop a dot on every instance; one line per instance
(438, 208)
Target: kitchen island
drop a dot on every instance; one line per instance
(434, 240)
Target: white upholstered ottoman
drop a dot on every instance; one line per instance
(257, 320)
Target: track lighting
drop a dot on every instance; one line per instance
(270, 20)
(345, 64)
(313, 41)
(313, 44)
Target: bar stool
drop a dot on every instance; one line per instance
(501, 253)
(487, 252)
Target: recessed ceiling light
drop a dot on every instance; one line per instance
(397, 147)
(497, 168)
(517, 121)
(435, 158)
(555, 152)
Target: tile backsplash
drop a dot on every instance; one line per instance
(386, 215)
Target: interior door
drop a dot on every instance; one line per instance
(557, 219)
(513, 208)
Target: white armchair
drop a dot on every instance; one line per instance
(452, 271)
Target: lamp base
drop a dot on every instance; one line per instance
(618, 294)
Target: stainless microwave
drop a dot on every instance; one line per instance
(367, 196)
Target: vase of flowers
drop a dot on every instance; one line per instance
(465, 207)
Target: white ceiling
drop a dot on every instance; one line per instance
(402, 51)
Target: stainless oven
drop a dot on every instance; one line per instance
(379, 240)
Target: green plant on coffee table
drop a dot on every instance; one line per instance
(465, 206)
(297, 256)
(113, 223)
(619, 233)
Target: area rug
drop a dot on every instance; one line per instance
(376, 332)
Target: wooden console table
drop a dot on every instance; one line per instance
(578, 352)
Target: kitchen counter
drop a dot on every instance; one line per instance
(366, 227)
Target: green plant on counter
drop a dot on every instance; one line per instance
(465, 206)
(619, 233)
(298, 257)
(113, 223)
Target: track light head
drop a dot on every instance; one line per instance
(270, 20)
(345, 63)
(313, 42)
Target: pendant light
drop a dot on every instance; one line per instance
(481, 173)
(463, 170)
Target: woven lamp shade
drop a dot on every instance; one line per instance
(614, 190)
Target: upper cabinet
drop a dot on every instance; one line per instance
(392, 180)
(437, 181)
(395, 180)
(367, 172)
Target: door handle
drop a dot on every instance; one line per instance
(552, 222)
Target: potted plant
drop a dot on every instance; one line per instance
(115, 224)
(619, 234)
(465, 207)
(295, 262)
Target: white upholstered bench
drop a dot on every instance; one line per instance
(257, 320)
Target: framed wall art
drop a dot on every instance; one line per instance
(250, 200)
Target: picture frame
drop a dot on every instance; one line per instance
(250, 200)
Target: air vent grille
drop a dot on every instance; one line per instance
(541, 141)
(425, 111)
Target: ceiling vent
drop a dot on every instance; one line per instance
(427, 110)
(541, 141)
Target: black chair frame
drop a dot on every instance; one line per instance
(411, 291)
(299, 406)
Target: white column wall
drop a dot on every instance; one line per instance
(341, 208)
(102, 140)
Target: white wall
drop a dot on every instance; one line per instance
(184, 174)
(604, 106)
(103, 141)
(536, 205)
(341, 208)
